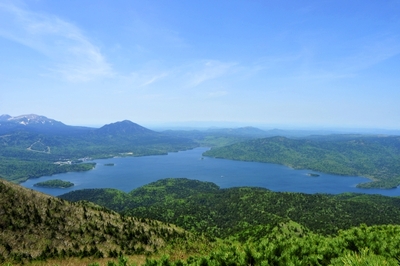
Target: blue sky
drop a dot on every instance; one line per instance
(289, 63)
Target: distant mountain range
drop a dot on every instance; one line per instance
(42, 124)
(125, 130)
(36, 123)
(33, 145)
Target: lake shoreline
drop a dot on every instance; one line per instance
(131, 172)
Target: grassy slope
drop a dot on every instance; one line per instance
(37, 226)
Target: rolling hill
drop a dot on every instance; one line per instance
(260, 227)
(256, 226)
(34, 226)
(204, 207)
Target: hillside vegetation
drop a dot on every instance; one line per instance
(41, 230)
(377, 158)
(258, 227)
(34, 226)
(204, 207)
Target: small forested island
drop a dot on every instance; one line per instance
(55, 183)
(108, 164)
(312, 174)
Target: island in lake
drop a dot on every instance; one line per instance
(55, 183)
(313, 175)
(108, 164)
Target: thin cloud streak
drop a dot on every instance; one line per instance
(74, 57)
(217, 94)
(208, 70)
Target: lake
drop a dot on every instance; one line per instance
(129, 173)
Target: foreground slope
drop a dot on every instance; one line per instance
(257, 225)
(37, 226)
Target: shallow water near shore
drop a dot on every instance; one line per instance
(128, 173)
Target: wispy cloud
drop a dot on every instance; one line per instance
(371, 53)
(208, 70)
(311, 65)
(152, 79)
(142, 79)
(217, 94)
(73, 55)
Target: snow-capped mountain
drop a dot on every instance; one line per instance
(5, 117)
(30, 119)
(30, 122)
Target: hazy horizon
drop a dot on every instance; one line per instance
(205, 125)
(319, 64)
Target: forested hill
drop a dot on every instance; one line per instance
(34, 226)
(203, 207)
(36, 229)
(377, 158)
(260, 227)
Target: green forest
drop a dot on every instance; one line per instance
(55, 183)
(375, 157)
(204, 207)
(188, 222)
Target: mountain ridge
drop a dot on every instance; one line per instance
(36, 124)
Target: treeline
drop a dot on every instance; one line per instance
(374, 157)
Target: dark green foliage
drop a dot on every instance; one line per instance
(203, 207)
(259, 227)
(55, 183)
(165, 190)
(373, 157)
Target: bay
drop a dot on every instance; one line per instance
(129, 173)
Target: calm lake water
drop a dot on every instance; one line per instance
(131, 172)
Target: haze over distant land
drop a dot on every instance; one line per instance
(293, 64)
